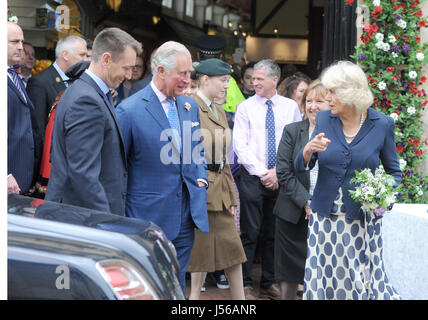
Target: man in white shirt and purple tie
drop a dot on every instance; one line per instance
(259, 122)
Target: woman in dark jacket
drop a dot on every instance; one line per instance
(295, 193)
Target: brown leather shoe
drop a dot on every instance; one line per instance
(249, 293)
(270, 293)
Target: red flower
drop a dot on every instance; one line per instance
(418, 39)
(390, 69)
(399, 149)
(415, 3)
(365, 39)
(415, 142)
(422, 23)
(396, 7)
(425, 103)
(377, 12)
(406, 38)
(419, 152)
(350, 1)
(418, 14)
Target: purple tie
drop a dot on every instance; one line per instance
(17, 82)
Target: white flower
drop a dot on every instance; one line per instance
(376, 3)
(13, 19)
(382, 85)
(391, 39)
(379, 36)
(403, 164)
(379, 45)
(413, 74)
(386, 46)
(394, 116)
(411, 110)
(390, 199)
(401, 23)
(420, 193)
(395, 55)
(420, 56)
(371, 191)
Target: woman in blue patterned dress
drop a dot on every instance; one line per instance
(344, 257)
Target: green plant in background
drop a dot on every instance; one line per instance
(10, 16)
(392, 56)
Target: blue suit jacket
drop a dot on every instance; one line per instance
(88, 156)
(157, 170)
(23, 138)
(375, 141)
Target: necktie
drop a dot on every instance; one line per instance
(110, 99)
(17, 82)
(214, 110)
(173, 119)
(270, 136)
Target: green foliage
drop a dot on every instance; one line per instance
(392, 56)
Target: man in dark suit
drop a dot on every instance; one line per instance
(44, 87)
(167, 171)
(88, 155)
(23, 139)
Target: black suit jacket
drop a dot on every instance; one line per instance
(23, 138)
(294, 185)
(42, 89)
(88, 154)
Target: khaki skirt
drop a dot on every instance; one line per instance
(218, 249)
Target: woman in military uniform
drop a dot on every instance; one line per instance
(221, 248)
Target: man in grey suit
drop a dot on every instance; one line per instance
(88, 156)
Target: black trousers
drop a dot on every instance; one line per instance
(256, 212)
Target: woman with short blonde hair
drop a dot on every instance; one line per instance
(344, 242)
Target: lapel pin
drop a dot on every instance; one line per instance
(187, 106)
(58, 79)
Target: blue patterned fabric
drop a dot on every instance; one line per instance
(17, 82)
(344, 258)
(270, 136)
(173, 119)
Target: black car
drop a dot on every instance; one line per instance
(58, 251)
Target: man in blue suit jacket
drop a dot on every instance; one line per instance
(167, 172)
(23, 139)
(88, 156)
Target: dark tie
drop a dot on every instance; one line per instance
(17, 82)
(270, 136)
(110, 98)
(173, 119)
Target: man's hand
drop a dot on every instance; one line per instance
(202, 184)
(270, 180)
(12, 185)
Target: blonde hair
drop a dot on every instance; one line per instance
(350, 84)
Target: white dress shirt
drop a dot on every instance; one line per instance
(249, 132)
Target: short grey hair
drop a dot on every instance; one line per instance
(272, 68)
(67, 44)
(166, 56)
(350, 84)
(114, 41)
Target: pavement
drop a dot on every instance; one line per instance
(214, 293)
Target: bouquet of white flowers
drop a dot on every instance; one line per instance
(376, 193)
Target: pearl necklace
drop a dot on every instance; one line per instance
(361, 124)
